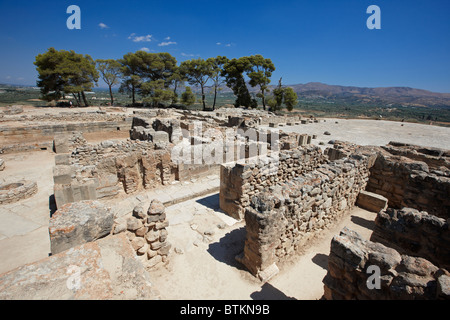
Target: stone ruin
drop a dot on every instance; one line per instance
(407, 186)
(286, 191)
(13, 192)
(159, 152)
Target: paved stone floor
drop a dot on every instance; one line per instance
(375, 132)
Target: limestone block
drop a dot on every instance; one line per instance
(266, 274)
(371, 201)
(62, 159)
(78, 223)
(61, 144)
(102, 270)
(160, 137)
(62, 174)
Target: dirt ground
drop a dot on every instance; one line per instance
(206, 269)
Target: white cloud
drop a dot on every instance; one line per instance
(168, 43)
(103, 26)
(168, 38)
(145, 49)
(135, 38)
(189, 55)
(223, 44)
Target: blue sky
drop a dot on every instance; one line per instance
(308, 41)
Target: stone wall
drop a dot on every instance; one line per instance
(280, 220)
(352, 274)
(146, 230)
(435, 158)
(239, 181)
(414, 233)
(33, 131)
(103, 170)
(16, 191)
(411, 183)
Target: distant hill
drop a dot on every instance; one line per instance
(348, 95)
(382, 95)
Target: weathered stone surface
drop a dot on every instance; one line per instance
(61, 144)
(77, 223)
(156, 208)
(371, 201)
(16, 191)
(100, 270)
(134, 224)
(444, 287)
(281, 218)
(2, 165)
(406, 180)
(139, 212)
(62, 174)
(401, 276)
(415, 233)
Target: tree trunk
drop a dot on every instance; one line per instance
(132, 93)
(86, 104)
(79, 99)
(263, 99)
(203, 99)
(175, 88)
(76, 99)
(111, 94)
(215, 96)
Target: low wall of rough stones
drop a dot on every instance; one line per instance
(415, 233)
(411, 183)
(352, 273)
(239, 181)
(16, 191)
(281, 220)
(146, 229)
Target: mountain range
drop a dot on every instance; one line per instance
(382, 96)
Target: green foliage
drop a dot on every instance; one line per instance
(216, 74)
(197, 72)
(259, 70)
(282, 95)
(233, 71)
(156, 93)
(290, 98)
(110, 71)
(188, 97)
(65, 72)
(141, 67)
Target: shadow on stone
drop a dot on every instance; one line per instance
(228, 247)
(52, 205)
(321, 260)
(369, 224)
(211, 201)
(269, 292)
